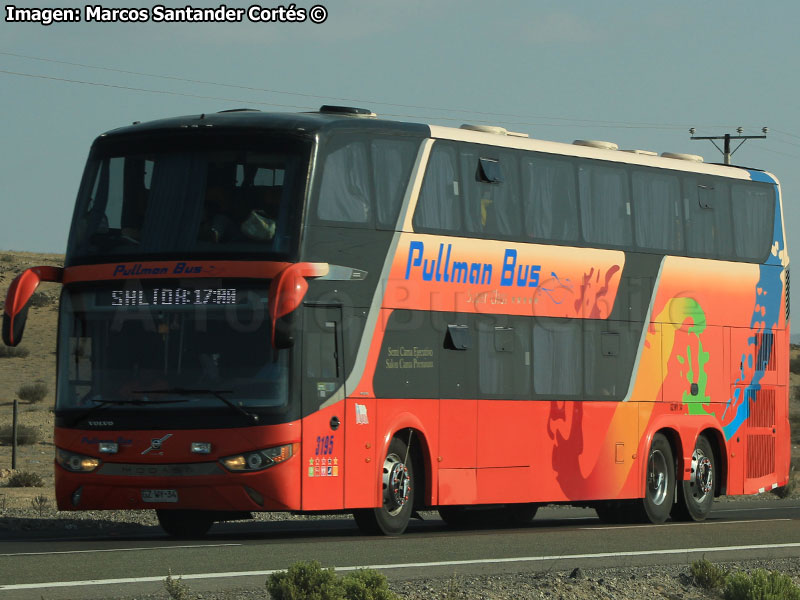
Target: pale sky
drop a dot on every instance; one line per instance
(635, 73)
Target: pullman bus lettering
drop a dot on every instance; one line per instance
(210, 290)
(447, 269)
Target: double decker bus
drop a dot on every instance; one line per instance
(330, 312)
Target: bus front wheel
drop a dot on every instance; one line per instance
(397, 483)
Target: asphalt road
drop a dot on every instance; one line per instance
(243, 554)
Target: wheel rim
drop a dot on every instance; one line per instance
(657, 477)
(396, 484)
(702, 475)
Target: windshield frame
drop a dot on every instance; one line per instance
(301, 145)
(183, 409)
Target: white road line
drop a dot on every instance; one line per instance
(716, 510)
(665, 525)
(444, 563)
(116, 550)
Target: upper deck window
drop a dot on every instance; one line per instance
(190, 195)
(657, 209)
(708, 217)
(550, 199)
(753, 219)
(472, 189)
(491, 191)
(439, 205)
(605, 204)
(364, 179)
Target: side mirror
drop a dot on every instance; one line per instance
(18, 300)
(286, 293)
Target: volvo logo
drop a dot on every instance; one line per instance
(156, 443)
(101, 423)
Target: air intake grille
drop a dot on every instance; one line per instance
(762, 408)
(760, 456)
(765, 357)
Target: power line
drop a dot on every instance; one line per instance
(188, 95)
(787, 133)
(135, 89)
(565, 121)
(261, 103)
(779, 152)
(569, 120)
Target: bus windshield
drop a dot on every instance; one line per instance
(200, 195)
(145, 342)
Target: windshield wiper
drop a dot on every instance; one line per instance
(191, 391)
(136, 401)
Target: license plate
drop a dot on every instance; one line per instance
(159, 495)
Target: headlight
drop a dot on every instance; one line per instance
(258, 460)
(77, 463)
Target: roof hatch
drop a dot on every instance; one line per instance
(493, 129)
(596, 144)
(346, 110)
(681, 156)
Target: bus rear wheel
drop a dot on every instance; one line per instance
(397, 482)
(185, 523)
(659, 481)
(697, 494)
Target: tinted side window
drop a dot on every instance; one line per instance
(364, 179)
(605, 204)
(657, 210)
(609, 351)
(505, 360)
(557, 357)
(707, 212)
(753, 217)
(550, 200)
(345, 187)
(392, 161)
(491, 197)
(438, 207)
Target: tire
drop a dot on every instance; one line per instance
(613, 511)
(456, 517)
(397, 482)
(185, 523)
(521, 514)
(697, 495)
(659, 481)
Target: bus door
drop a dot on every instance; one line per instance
(323, 408)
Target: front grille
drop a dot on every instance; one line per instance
(173, 470)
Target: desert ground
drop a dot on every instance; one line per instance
(40, 367)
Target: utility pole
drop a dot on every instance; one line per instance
(726, 153)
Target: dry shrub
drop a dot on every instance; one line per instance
(40, 299)
(13, 351)
(707, 575)
(761, 585)
(32, 392)
(25, 479)
(26, 435)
